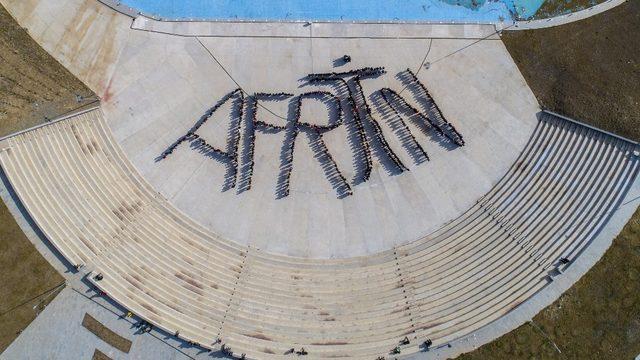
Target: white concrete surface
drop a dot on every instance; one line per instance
(59, 334)
(315, 29)
(154, 86)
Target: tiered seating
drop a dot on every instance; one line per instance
(88, 200)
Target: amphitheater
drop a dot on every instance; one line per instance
(417, 228)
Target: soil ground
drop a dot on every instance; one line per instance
(33, 86)
(99, 355)
(552, 8)
(27, 280)
(588, 70)
(105, 334)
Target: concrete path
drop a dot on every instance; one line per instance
(59, 334)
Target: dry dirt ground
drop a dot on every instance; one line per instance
(33, 87)
(99, 355)
(589, 70)
(27, 281)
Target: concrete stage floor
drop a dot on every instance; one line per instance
(156, 79)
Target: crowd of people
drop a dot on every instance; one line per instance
(441, 124)
(386, 94)
(334, 121)
(327, 162)
(325, 158)
(330, 167)
(442, 128)
(377, 130)
(364, 152)
(272, 96)
(365, 130)
(361, 72)
(230, 155)
(143, 326)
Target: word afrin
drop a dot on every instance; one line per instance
(347, 107)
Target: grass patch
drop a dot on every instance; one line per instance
(105, 334)
(588, 70)
(99, 355)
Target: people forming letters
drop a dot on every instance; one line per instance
(347, 107)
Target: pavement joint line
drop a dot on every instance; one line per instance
(322, 37)
(236, 82)
(470, 45)
(302, 22)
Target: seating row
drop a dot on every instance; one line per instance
(100, 214)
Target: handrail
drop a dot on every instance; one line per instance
(590, 126)
(78, 111)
